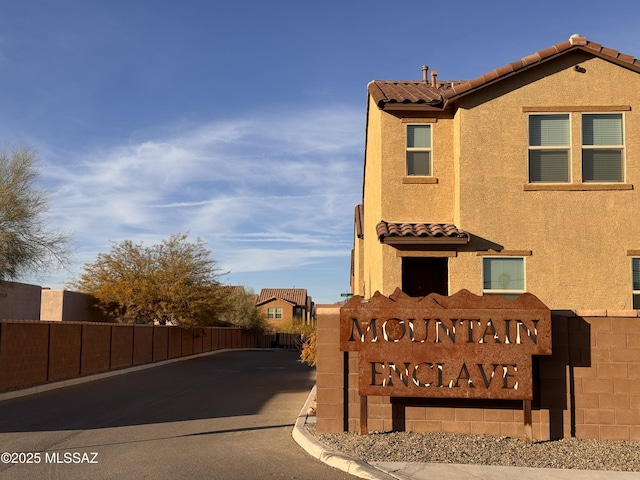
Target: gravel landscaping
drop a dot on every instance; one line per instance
(568, 453)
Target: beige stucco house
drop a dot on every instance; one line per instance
(523, 179)
(283, 307)
(22, 301)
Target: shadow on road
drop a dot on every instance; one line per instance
(227, 384)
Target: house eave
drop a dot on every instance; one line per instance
(424, 241)
(410, 107)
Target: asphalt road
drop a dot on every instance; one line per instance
(225, 416)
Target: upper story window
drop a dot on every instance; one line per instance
(549, 148)
(635, 272)
(551, 145)
(602, 147)
(503, 276)
(419, 150)
(274, 312)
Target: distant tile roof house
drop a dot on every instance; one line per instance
(524, 179)
(283, 306)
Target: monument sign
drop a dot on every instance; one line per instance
(462, 346)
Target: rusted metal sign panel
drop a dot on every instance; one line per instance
(462, 346)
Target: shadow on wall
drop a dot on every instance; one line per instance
(571, 344)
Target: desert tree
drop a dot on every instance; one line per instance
(175, 281)
(241, 310)
(27, 242)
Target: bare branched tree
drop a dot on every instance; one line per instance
(27, 243)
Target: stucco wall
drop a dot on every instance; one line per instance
(287, 313)
(69, 306)
(20, 301)
(372, 269)
(577, 239)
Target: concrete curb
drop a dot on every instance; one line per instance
(359, 468)
(429, 471)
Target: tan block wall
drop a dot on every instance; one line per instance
(608, 391)
(175, 343)
(143, 344)
(122, 346)
(588, 388)
(160, 343)
(187, 342)
(197, 340)
(206, 340)
(65, 345)
(34, 352)
(96, 349)
(25, 349)
(330, 370)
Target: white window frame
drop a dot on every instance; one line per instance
(409, 149)
(537, 148)
(620, 147)
(274, 313)
(510, 292)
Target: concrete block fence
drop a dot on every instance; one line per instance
(588, 388)
(35, 352)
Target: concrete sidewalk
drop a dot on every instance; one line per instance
(430, 471)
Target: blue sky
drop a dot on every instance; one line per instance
(240, 122)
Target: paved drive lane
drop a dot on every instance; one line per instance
(224, 416)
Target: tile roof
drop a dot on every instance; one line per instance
(422, 92)
(233, 289)
(407, 92)
(297, 296)
(428, 232)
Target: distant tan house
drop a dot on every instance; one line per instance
(21, 301)
(284, 306)
(525, 179)
(69, 306)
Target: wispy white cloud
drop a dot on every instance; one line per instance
(263, 259)
(268, 192)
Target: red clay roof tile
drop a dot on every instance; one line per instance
(384, 92)
(421, 92)
(626, 58)
(297, 296)
(388, 229)
(530, 59)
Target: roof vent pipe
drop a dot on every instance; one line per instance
(434, 74)
(425, 74)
